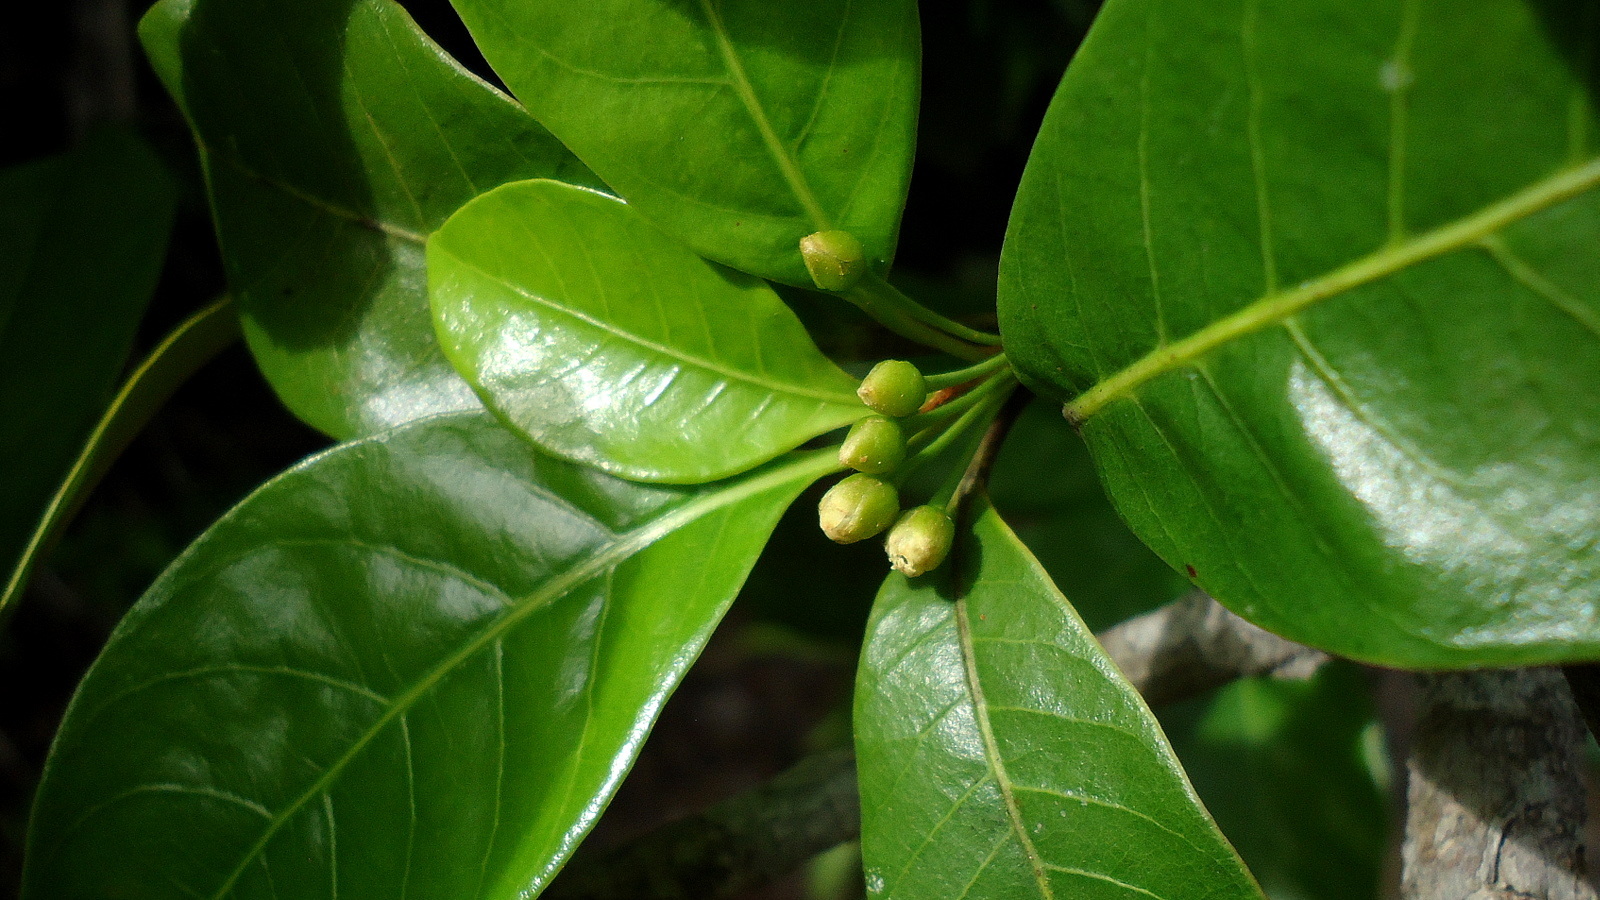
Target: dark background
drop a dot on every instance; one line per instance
(775, 682)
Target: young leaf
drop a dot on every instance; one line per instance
(608, 343)
(335, 136)
(738, 126)
(417, 664)
(82, 240)
(1002, 755)
(1317, 280)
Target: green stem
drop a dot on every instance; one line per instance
(892, 296)
(907, 318)
(957, 405)
(982, 410)
(976, 477)
(970, 373)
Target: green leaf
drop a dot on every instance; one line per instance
(82, 240)
(417, 663)
(1317, 279)
(1283, 767)
(1067, 522)
(608, 343)
(1002, 755)
(738, 126)
(191, 345)
(335, 136)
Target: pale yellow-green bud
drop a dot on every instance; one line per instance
(875, 445)
(835, 259)
(857, 508)
(920, 540)
(894, 387)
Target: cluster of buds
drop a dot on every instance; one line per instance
(864, 505)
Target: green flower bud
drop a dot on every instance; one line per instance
(857, 508)
(835, 259)
(894, 387)
(920, 540)
(875, 445)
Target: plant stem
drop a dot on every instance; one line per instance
(973, 372)
(980, 405)
(910, 319)
(982, 463)
(957, 404)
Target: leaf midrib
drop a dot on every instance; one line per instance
(830, 397)
(787, 165)
(813, 465)
(1277, 307)
(327, 207)
(991, 748)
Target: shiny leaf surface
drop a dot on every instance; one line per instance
(1001, 754)
(1318, 279)
(417, 664)
(738, 126)
(609, 343)
(335, 137)
(82, 240)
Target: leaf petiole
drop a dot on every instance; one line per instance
(981, 405)
(970, 373)
(910, 319)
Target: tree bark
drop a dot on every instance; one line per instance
(1496, 798)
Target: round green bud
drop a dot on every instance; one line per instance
(875, 445)
(857, 508)
(894, 387)
(920, 540)
(835, 259)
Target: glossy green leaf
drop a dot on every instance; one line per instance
(1318, 278)
(738, 126)
(1070, 526)
(417, 665)
(335, 136)
(82, 240)
(1002, 755)
(1284, 767)
(196, 341)
(607, 342)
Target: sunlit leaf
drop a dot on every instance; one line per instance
(1002, 755)
(606, 342)
(1317, 278)
(738, 126)
(335, 137)
(418, 665)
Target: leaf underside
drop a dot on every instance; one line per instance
(1319, 278)
(417, 664)
(738, 126)
(335, 137)
(1001, 754)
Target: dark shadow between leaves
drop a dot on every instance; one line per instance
(1574, 27)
